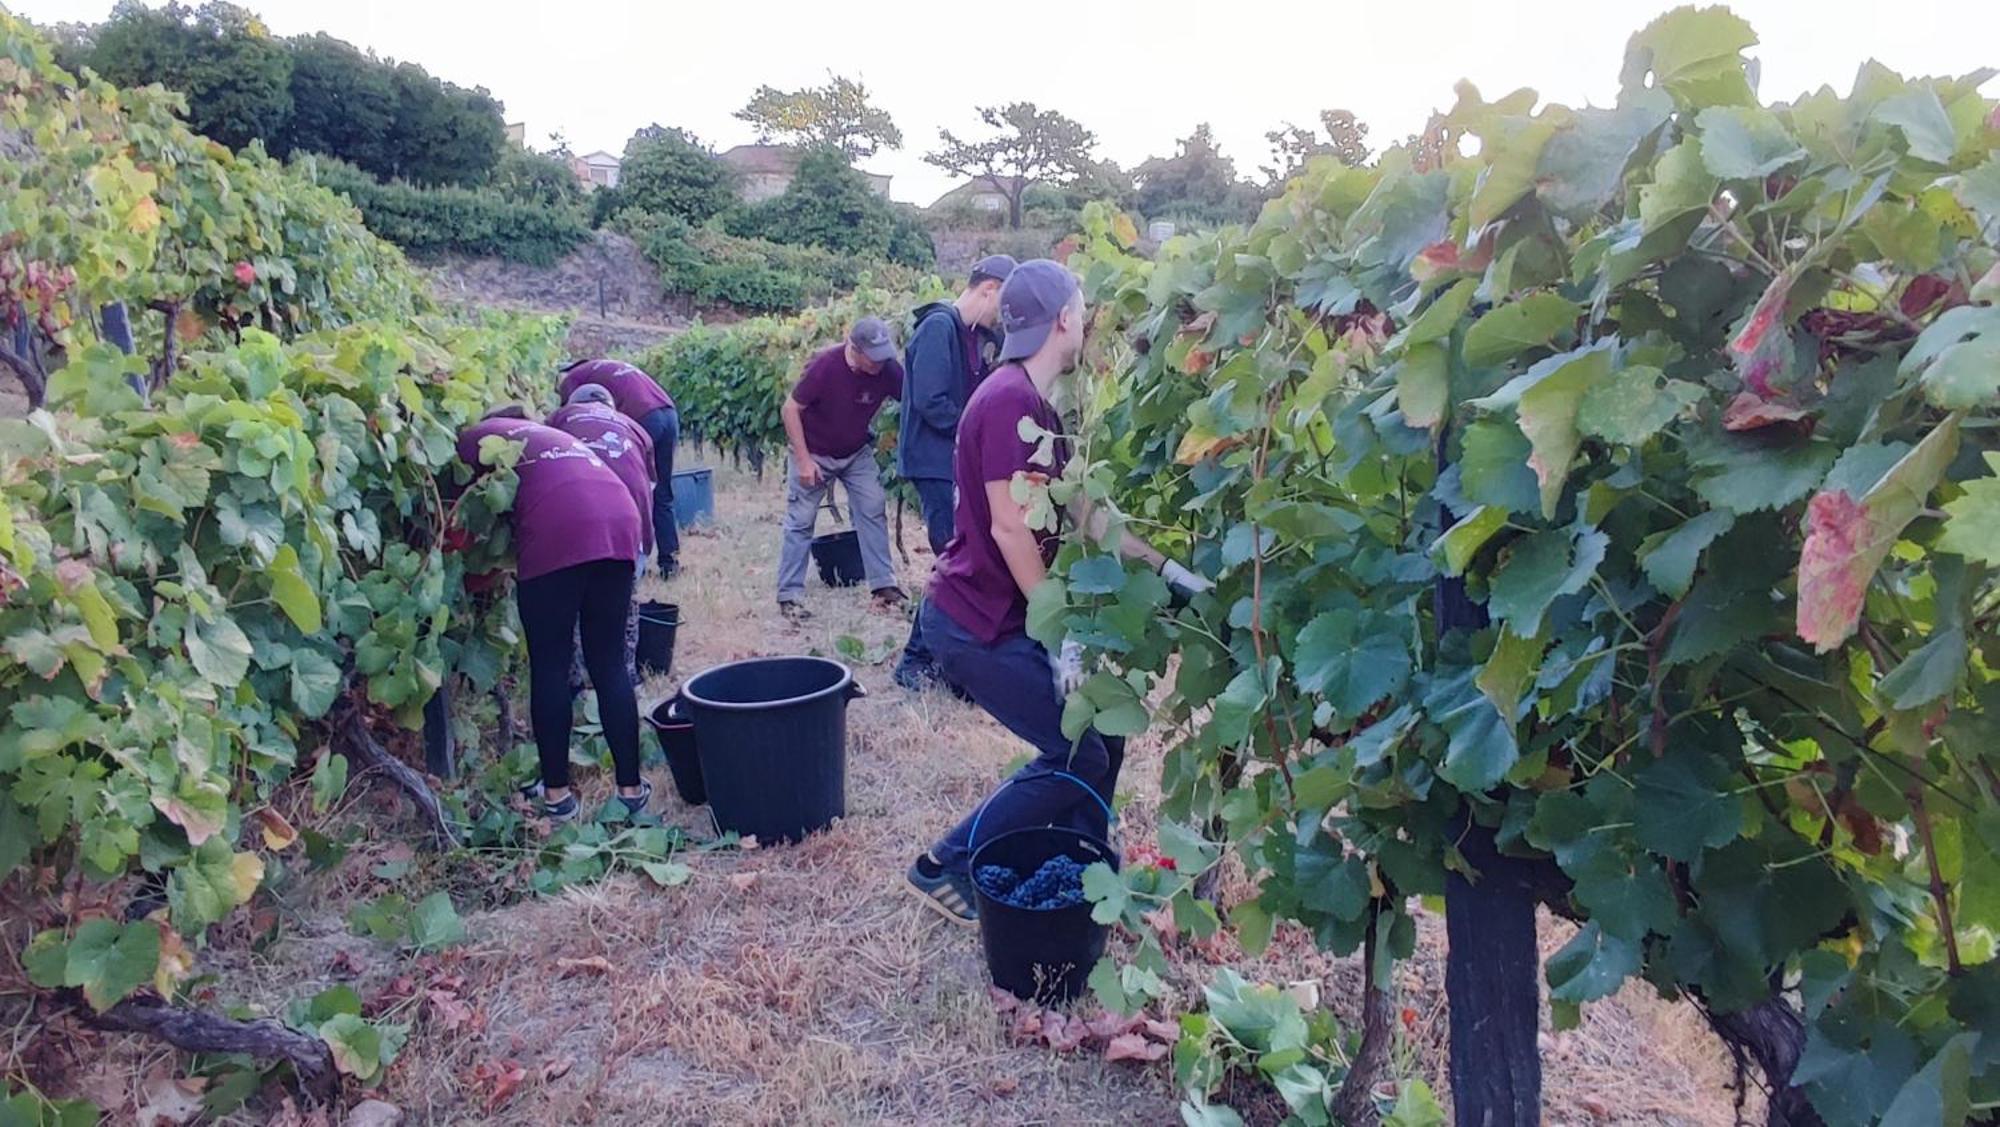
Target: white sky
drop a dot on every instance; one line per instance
(1140, 75)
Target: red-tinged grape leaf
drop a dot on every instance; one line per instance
(1132, 1046)
(1764, 316)
(1847, 540)
(1750, 411)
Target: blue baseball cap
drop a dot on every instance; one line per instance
(994, 266)
(1031, 299)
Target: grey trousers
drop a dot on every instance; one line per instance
(861, 480)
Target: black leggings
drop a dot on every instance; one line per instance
(590, 598)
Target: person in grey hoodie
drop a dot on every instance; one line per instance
(951, 349)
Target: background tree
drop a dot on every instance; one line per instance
(669, 171)
(1198, 181)
(343, 104)
(444, 134)
(1346, 141)
(1033, 145)
(237, 78)
(537, 178)
(837, 115)
(828, 204)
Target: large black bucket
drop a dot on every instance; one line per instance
(1042, 955)
(771, 733)
(838, 555)
(675, 731)
(657, 624)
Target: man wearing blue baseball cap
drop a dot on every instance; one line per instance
(974, 618)
(951, 350)
(829, 419)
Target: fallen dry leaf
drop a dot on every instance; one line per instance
(1027, 1023)
(499, 1079)
(1107, 1025)
(1131, 1046)
(743, 882)
(278, 833)
(1163, 1030)
(1003, 1001)
(449, 1010)
(557, 1069)
(595, 964)
(1064, 1035)
(747, 842)
(170, 1101)
(1006, 1085)
(373, 1113)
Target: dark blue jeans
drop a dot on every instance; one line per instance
(1011, 680)
(935, 499)
(663, 426)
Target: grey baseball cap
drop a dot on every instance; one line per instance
(589, 393)
(994, 266)
(1030, 301)
(870, 337)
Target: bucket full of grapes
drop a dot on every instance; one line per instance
(1033, 919)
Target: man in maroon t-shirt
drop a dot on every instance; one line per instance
(576, 535)
(640, 398)
(829, 420)
(974, 617)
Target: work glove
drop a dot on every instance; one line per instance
(1066, 667)
(1183, 584)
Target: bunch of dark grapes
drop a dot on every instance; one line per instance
(1057, 884)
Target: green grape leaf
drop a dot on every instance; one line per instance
(1972, 527)
(1591, 965)
(1633, 405)
(1532, 321)
(1352, 659)
(1423, 386)
(1669, 558)
(1441, 316)
(356, 1046)
(290, 590)
(109, 960)
(1493, 468)
(1539, 569)
(1938, 1093)
(1455, 549)
(434, 923)
(1683, 807)
(1745, 142)
(1926, 127)
(219, 650)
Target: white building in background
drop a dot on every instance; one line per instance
(764, 171)
(596, 170)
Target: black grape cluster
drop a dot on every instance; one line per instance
(1057, 884)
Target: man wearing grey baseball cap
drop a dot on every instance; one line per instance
(950, 351)
(974, 617)
(829, 418)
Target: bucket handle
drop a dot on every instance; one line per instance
(972, 835)
(677, 710)
(856, 690)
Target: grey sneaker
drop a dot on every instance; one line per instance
(563, 811)
(946, 893)
(635, 805)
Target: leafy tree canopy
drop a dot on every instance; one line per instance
(837, 115)
(1031, 144)
(670, 172)
(1345, 140)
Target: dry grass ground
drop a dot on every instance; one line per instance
(802, 985)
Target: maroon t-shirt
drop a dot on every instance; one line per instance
(970, 581)
(839, 403)
(633, 392)
(570, 507)
(623, 445)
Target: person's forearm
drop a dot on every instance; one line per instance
(1024, 557)
(795, 432)
(1133, 548)
(1096, 520)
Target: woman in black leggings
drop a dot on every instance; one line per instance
(576, 534)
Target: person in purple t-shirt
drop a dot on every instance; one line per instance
(829, 420)
(620, 444)
(974, 617)
(576, 535)
(640, 398)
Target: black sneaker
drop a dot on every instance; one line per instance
(946, 893)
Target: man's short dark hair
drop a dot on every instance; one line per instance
(506, 411)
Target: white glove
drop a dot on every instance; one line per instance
(1183, 582)
(1066, 666)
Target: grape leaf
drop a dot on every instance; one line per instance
(1462, 541)
(109, 960)
(1423, 386)
(1972, 529)
(290, 590)
(1352, 659)
(1669, 558)
(1745, 142)
(1591, 965)
(1529, 322)
(1682, 808)
(1493, 468)
(434, 923)
(1538, 570)
(219, 650)
(1633, 405)
(1926, 127)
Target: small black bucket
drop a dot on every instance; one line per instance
(772, 738)
(1043, 955)
(838, 555)
(676, 735)
(657, 625)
